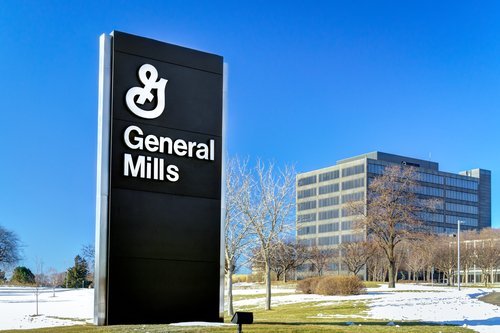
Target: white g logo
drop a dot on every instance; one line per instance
(148, 76)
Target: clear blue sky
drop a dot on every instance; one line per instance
(309, 83)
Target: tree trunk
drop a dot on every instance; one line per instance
(230, 310)
(284, 276)
(268, 285)
(392, 266)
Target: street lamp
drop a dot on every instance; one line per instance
(458, 252)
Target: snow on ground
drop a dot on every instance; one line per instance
(436, 304)
(68, 307)
(443, 305)
(407, 302)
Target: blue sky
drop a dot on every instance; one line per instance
(309, 83)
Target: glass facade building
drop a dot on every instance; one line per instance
(324, 220)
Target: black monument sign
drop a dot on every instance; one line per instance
(159, 183)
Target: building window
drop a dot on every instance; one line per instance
(350, 238)
(431, 191)
(348, 225)
(463, 183)
(347, 185)
(306, 193)
(307, 181)
(348, 212)
(431, 217)
(461, 208)
(332, 240)
(376, 169)
(302, 218)
(357, 196)
(306, 205)
(328, 189)
(328, 202)
(329, 214)
(430, 178)
(461, 196)
(328, 227)
(354, 170)
(465, 220)
(307, 230)
(308, 242)
(328, 176)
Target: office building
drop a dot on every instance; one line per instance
(324, 220)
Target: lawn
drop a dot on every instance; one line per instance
(492, 298)
(288, 318)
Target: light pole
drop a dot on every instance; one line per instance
(458, 253)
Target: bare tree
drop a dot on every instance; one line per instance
(266, 208)
(445, 257)
(52, 276)
(319, 258)
(287, 256)
(391, 214)
(377, 265)
(9, 248)
(40, 280)
(236, 227)
(488, 257)
(416, 258)
(355, 255)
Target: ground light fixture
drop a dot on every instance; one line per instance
(241, 318)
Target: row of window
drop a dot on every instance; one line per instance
(347, 185)
(302, 218)
(426, 190)
(329, 189)
(356, 196)
(307, 230)
(461, 208)
(306, 193)
(465, 220)
(325, 215)
(431, 178)
(353, 170)
(329, 176)
(443, 230)
(329, 201)
(432, 217)
(306, 181)
(348, 212)
(333, 240)
(354, 183)
(421, 176)
(376, 168)
(308, 242)
(329, 214)
(348, 225)
(464, 183)
(349, 238)
(461, 196)
(306, 205)
(328, 227)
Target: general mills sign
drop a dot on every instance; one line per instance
(158, 236)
